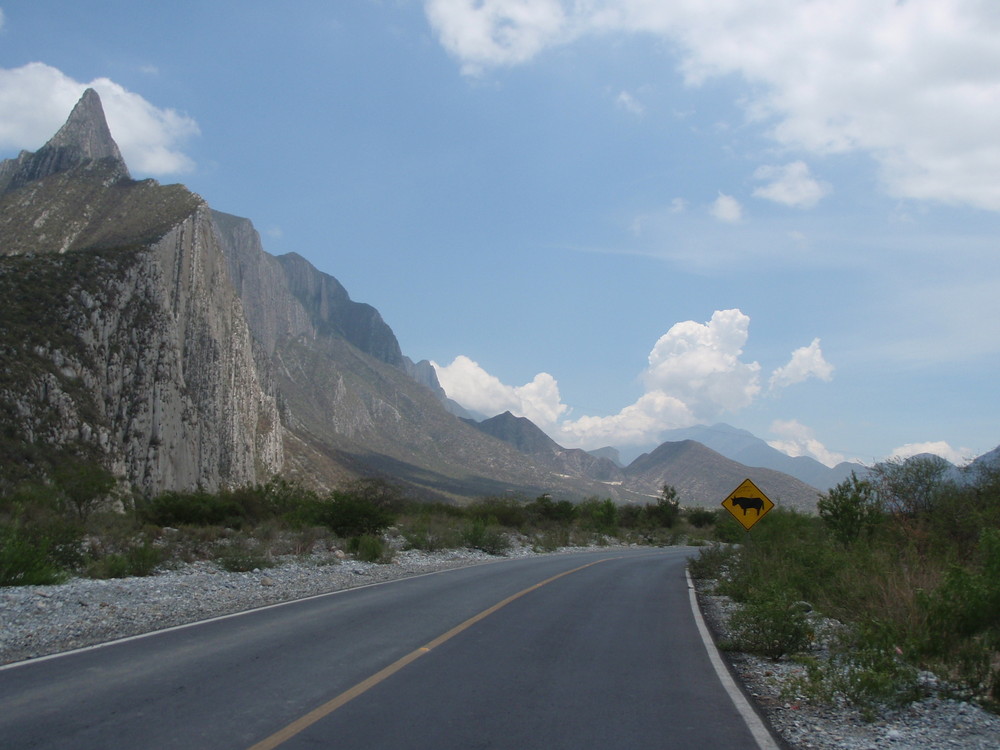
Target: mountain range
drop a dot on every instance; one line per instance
(146, 331)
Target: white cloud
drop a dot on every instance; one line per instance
(791, 185)
(958, 456)
(36, 99)
(699, 363)
(806, 362)
(798, 440)
(695, 373)
(727, 209)
(474, 388)
(486, 33)
(915, 85)
(629, 103)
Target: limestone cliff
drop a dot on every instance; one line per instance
(124, 339)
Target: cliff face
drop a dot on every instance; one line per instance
(124, 339)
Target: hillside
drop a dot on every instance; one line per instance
(705, 478)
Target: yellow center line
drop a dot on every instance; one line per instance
(350, 694)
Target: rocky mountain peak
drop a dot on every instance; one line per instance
(84, 137)
(86, 131)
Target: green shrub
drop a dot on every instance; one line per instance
(25, 562)
(598, 515)
(850, 509)
(770, 626)
(197, 508)
(701, 518)
(543, 510)
(241, 556)
(509, 512)
(370, 548)
(137, 560)
(711, 561)
(430, 535)
(348, 515)
(482, 536)
(552, 539)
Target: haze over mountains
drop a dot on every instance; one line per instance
(153, 334)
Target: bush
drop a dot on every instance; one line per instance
(851, 509)
(242, 556)
(505, 511)
(701, 518)
(598, 515)
(197, 508)
(24, 562)
(348, 515)
(491, 540)
(370, 548)
(770, 626)
(138, 560)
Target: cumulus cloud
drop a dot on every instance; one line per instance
(791, 185)
(727, 209)
(36, 99)
(958, 456)
(913, 84)
(465, 381)
(806, 362)
(695, 373)
(798, 440)
(700, 364)
(487, 33)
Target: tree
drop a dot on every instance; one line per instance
(910, 488)
(83, 485)
(667, 508)
(850, 508)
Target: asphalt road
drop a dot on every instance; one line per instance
(605, 653)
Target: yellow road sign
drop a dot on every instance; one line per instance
(747, 504)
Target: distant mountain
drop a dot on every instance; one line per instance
(703, 477)
(746, 448)
(609, 453)
(524, 435)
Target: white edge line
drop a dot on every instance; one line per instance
(194, 623)
(760, 732)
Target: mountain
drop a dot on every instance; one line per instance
(703, 477)
(527, 438)
(744, 447)
(144, 330)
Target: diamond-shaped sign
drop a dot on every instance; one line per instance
(747, 504)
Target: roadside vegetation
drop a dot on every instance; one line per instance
(77, 524)
(899, 572)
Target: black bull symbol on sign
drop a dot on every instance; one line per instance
(749, 502)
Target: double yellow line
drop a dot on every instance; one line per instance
(362, 687)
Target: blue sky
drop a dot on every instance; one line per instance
(615, 217)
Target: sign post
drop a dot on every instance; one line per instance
(747, 504)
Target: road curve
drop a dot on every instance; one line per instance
(590, 650)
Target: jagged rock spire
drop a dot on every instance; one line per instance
(86, 131)
(83, 138)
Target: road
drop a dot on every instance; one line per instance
(591, 650)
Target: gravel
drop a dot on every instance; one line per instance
(40, 620)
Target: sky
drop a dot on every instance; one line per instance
(613, 217)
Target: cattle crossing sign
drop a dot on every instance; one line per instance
(747, 504)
